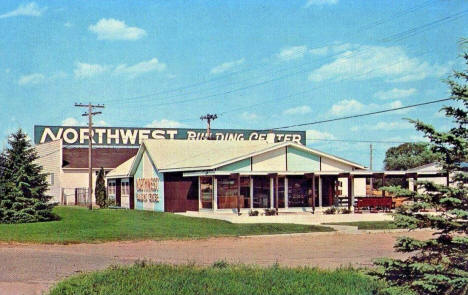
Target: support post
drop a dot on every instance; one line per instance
(320, 191)
(313, 195)
(238, 194)
(215, 193)
(286, 197)
(276, 193)
(251, 192)
(311, 176)
(350, 191)
(383, 184)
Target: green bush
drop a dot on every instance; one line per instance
(331, 210)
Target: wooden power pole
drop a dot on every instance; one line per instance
(209, 118)
(90, 115)
(371, 180)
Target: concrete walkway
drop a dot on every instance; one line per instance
(296, 218)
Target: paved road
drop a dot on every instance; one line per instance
(32, 269)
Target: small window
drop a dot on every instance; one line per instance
(125, 188)
(111, 188)
(51, 178)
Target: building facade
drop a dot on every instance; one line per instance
(179, 176)
(63, 153)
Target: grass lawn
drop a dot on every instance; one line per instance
(368, 224)
(79, 225)
(217, 280)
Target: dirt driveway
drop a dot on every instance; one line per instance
(32, 269)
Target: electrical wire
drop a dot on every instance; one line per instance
(359, 115)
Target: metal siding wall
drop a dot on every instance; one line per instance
(270, 161)
(243, 165)
(302, 161)
(50, 158)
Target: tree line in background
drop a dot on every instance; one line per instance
(23, 185)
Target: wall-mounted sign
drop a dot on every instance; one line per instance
(147, 189)
(128, 136)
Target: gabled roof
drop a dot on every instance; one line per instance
(185, 155)
(433, 166)
(123, 170)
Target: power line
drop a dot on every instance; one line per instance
(359, 115)
(358, 141)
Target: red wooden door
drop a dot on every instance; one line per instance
(180, 193)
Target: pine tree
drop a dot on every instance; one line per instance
(24, 184)
(438, 265)
(101, 193)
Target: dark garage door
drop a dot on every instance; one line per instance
(180, 193)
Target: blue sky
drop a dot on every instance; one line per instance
(258, 64)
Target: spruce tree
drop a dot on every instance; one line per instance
(438, 265)
(101, 193)
(24, 184)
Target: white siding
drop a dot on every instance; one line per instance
(328, 164)
(270, 161)
(50, 158)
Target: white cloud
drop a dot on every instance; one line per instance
(164, 123)
(320, 2)
(112, 29)
(293, 52)
(140, 68)
(249, 116)
(300, 110)
(70, 122)
(352, 106)
(100, 123)
(346, 106)
(315, 134)
(384, 126)
(227, 66)
(84, 70)
(395, 93)
(319, 51)
(32, 79)
(368, 62)
(68, 24)
(29, 9)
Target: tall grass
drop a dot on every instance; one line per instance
(79, 225)
(151, 279)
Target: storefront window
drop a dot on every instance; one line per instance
(261, 192)
(206, 192)
(298, 192)
(227, 192)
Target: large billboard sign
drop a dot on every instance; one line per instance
(129, 136)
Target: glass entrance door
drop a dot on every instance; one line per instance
(206, 192)
(261, 192)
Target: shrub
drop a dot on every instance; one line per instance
(331, 210)
(270, 212)
(345, 211)
(220, 264)
(253, 212)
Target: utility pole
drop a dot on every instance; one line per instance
(209, 118)
(370, 167)
(90, 115)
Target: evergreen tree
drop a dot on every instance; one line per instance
(101, 193)
(438, 265)
(24, 185)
